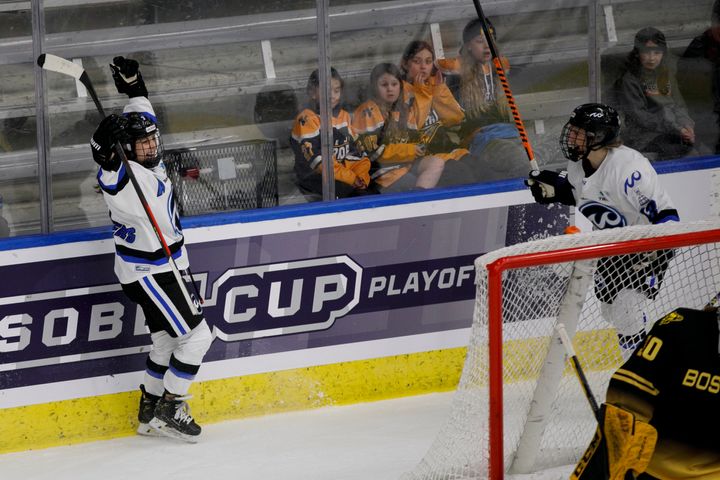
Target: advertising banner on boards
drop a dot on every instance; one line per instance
(67, 318)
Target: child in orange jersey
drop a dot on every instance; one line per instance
(400, 162)
(351, 167)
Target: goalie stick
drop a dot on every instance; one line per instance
(567, 343)
(621, 445)
(506, 87)
(56, 64)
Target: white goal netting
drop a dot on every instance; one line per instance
(547, 422)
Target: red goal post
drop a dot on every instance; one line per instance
(518, 409)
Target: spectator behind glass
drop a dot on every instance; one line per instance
(701, 63)
(487, 130)
(400, 161)
(657, 121)
(352, 177)
(437, 114)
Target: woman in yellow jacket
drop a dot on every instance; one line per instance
(437, 113)
(386, 131)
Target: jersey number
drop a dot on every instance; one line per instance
(126, 233)
(651, 348)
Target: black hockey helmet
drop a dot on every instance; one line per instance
(142, 141)
(600, 124)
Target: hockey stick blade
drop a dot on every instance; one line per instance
(53, 63)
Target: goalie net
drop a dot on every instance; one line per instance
(518, 408)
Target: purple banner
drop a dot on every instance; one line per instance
(68, 319)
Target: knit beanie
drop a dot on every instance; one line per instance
(650, 34)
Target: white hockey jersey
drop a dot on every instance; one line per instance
(138, 251)
(623, 191)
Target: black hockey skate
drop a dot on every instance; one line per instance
(147, 412)
(172, 419)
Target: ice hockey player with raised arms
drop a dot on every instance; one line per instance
(613, 186)
(661, 414)
(180, 337)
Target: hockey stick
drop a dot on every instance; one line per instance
(60, 65)
(506, 87)
(565, 339)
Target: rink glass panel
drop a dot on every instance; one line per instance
(548, 68)
(19, 188)
(204, 96)
(210, 83)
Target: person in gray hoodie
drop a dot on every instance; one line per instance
(656, 118)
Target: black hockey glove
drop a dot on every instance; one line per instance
(127, 77)
(110, 131)
(649, 270)
(547, 186)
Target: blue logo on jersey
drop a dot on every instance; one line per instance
(121, 231)
(161, 188)
(631, 180)
(602, 216)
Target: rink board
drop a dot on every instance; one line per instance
(311, 305)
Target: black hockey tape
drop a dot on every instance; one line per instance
(53, 63)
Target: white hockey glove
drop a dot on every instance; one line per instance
(547, 186)
(127, 77)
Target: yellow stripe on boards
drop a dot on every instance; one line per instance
(109, 416)
(523, 358)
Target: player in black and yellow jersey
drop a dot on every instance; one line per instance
(671, 385)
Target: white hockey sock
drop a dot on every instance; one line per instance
(153, 385)
(158, 361)
(627, 315)
(186, 359)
